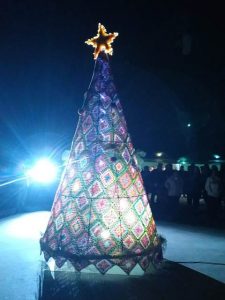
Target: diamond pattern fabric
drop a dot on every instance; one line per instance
(101, 213)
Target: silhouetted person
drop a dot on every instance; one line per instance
(183, 176)
(205, 173)
(157, 183)
(146, 176)
(213, 189)
(222, 177)
(193, 186)
(174, 186)
(168, 171)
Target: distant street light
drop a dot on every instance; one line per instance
(182, 161)
(188, 124)
(216, 156)
(159, 154)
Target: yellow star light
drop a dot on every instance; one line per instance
(102, 41)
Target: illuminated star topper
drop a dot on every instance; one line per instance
(102, 41)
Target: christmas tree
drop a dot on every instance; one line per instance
(101, 215)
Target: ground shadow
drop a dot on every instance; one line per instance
(172, 281)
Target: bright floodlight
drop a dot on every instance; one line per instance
(44, 171)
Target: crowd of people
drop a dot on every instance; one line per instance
(166, 186)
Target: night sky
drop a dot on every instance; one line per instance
(168, 66)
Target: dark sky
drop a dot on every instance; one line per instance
(168, 66)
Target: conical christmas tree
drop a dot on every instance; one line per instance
(101, 215)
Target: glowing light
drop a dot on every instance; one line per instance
(105, 234)
(101, 163)
(123, 204)
(159, 154)
(76, 186)
(130, 218)
(216, 156)
(44, 171)
(182, 160)
(102, 41)
(188, 124)
(71, 173)
(88, 176)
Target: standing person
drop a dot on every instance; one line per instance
(205, 173)
(197, 188)
(193, 186)
(222, 176)
(157, 178)
(183, 175)
(168, 171)
(189, 184)
(174, 186)
(146, 176)
(213, 189)
(222, 198)
(163, 191)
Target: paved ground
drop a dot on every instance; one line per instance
(20, 255)
(196, 244)
(21, 263)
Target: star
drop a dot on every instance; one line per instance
(102, 41)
